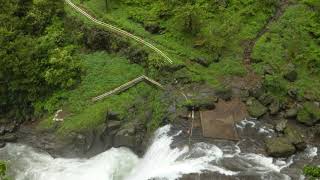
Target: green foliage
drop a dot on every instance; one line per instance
(293, 39)
(36, 55)
(188, 18)
(3, 171)
(313, 172)
(103, 73)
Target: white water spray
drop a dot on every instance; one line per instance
(159, 162)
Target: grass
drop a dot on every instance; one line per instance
(104, 72)
(176, 45)
(289, 42)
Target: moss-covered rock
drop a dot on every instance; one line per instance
(294, 136)
(199, 103)
(255, 108)
(279, 147)
(274, 107)
(309, 114)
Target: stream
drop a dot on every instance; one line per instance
(159, 162)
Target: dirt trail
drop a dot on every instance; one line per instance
(252, 80)
(249, 45)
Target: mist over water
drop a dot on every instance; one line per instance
(160, 161)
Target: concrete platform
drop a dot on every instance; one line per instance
(220, 122)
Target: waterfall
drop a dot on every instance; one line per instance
(159, 162)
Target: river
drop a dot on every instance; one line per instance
(159, 162)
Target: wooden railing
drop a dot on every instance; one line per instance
(119, 31)
(128, 85)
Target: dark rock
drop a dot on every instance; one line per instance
(295, 137)
(113, 125)
(244, 95)
(281, 125)
(266, 99)
(309, 114)
(279, 147)
(293, 93)
(224, 93)
(8, 137)
(112, 116)
(257, 92)
(291, 113)
(153, 28)
(255, 108)
(126, 141)
(202, 61)
(128, 129)
(291, 74)
(2, 144)
(274, 107)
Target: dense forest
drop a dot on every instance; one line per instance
(37, 54)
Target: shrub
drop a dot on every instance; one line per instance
(311, 171)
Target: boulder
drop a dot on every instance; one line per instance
(224, 93)
(202, 61)
(295, 137)
(274, 107)
(266, 99)
(281, 125)
(291, 73)
(8, 137)
(309, 114)
(293, 93)
(244, 95)
(127, 129)
(279, 147)
(198, 103)
(126, 141)
(112, 116)
(257, 92)
(255, 108)
(113, 125)
(291, 113)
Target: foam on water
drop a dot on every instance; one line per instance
(160, 161)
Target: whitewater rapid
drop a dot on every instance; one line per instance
(159, 162)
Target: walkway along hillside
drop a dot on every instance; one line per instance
(128, 85)
(119, 31)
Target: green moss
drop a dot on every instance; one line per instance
(309, 114)
(3, 171)
(313, 172)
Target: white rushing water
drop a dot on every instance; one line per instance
(160, 161)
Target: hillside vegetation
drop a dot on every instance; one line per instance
(52, 57)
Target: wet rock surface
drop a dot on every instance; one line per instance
(255, 108)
